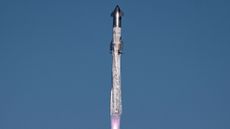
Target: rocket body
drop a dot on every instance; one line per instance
(116, 46)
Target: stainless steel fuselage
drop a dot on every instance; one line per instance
(116, 46)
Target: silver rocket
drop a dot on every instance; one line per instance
(116, 49)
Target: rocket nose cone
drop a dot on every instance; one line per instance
(117, 10)
(117, 14)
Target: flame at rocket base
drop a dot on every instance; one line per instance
(115, 122)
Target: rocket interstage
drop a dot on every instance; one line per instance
(116, 46)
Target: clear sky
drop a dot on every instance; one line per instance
(55, 64)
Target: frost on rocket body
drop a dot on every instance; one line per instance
(116, 45)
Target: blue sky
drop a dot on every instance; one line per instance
(55, 64)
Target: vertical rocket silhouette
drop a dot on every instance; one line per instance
(116, 49)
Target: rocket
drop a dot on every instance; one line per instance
(116, 50)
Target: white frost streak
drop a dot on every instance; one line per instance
(115, 104)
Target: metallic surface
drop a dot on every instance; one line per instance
(116, 45)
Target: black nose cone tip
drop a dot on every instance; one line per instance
(117, 9)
